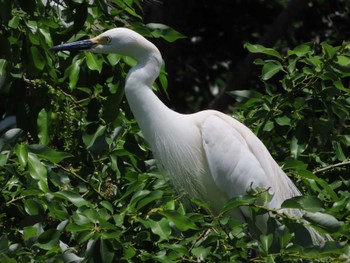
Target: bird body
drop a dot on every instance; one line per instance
(210, 155)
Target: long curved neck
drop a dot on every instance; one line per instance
(147, 108)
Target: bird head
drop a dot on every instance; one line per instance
(121, 41)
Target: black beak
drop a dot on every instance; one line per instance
(78, 45)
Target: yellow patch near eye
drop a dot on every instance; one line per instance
(101, 40)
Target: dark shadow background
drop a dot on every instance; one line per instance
(212, 59)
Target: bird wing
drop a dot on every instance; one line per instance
(232, 164)
(238, 160)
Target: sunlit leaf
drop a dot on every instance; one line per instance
(22, 154)
(301, 50)
(264, 50)
(38, 171)
(43, 127)
(94, 62)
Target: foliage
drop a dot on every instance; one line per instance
(78, 182)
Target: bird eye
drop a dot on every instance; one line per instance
(107, 39)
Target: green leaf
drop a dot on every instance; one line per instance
(201, 252)
(89, 139)
(105, 251)
(329, 50)
(32, 207)
(309, 175)
(341, 60)
(107, 205)
(154, 195)
(9, 137)
(261, 49)
(243, 95)
(47, 153)
(301, 50)
(14, 22)
(37, 58)
(183, 223)
(308, 203)
(72, 197)
(339, 151)
(48, 239)
(3, 63)
(71, 258)
(323, 220)
(266, 242)
(291, 163)
(29, 232)
(161, 228)
(38, 171)
(3, 159)
(270, 69)
(72, 72)
(166, 32)
(113, 59)
(235, 202)
(296, 148)
(43, 127)
(94, 62)
(283, 121)
(22, 154)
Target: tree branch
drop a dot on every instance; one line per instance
(331, 167)
(239, 77)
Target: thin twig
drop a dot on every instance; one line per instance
(331, 167)
(80, 178)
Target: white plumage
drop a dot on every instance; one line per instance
(210, 155)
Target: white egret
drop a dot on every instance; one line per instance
(208, 154)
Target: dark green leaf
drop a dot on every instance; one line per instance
(161, 228)
(48, 239)
(37, 58)
(283, 121)
(238, 201)
(182, 222)
(89, 139)
(270, 69)
(73, 197)
(9, 137)
(47, 153)
(105, 251)
(308, 203)
(323, 220)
